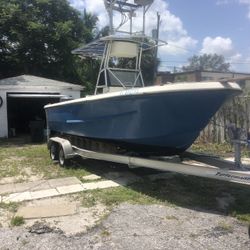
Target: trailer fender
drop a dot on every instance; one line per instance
(64, 144)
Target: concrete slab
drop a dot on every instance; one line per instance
(70, 189)
(63, 182)
(100, 185)
(123, 178)
(17, 197)
(7, 188)
(44, 193)
(46, 211)
(40, 185)
(91, 177)
(29, 186)
(125, 181)
(37, 185)
(62, 186)
(7, 180)
(244, 160)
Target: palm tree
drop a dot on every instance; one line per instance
(89, 21)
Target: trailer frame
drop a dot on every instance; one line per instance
(205, 165)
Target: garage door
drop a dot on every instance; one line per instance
(23, 108)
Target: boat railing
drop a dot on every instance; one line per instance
(118, 79)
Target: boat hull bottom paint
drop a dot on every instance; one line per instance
(167, 121)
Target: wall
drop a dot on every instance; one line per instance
(215, 76)
(73, 93)
(3, 116)
(187, 77)
(163, 78)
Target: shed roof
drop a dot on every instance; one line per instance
(29, 80)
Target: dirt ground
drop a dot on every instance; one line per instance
(74, 220)
(138, 227)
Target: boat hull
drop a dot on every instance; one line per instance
(148, 122)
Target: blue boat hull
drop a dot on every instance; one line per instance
(148, 122)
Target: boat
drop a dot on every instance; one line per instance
(125, 113)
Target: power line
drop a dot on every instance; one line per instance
(173, 61)
(182, 48)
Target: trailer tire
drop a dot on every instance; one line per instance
(53, 151)
(63, 162)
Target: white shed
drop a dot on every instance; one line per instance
(22, 99)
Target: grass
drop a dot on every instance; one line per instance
(17, 221)
(171, 217)
(114, 196)
(178, 190)
(223, 150)
(88, 200)
(32, 159)
(105, 233)
(225, 226)
(11, 206)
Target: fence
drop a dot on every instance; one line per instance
(236, 111)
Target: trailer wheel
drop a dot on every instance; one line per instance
(63, 162)
(53, 150)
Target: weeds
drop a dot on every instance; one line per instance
(223, 149)
(105, 233)
(88, 200)
(27, 160)
(11, 206)
(115, 196)
(17, 221)
(225, 226)
(171, 217)
(179, 190)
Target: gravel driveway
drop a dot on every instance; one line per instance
(140, 227)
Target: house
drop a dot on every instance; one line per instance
(22, 99)
(197, 76)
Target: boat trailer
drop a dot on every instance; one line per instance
(201, 165)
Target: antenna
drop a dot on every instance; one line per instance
(145, 4)
(127, 11)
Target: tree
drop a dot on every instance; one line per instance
(89, 24)
(207, 62)
(148, 66)
(37, 37)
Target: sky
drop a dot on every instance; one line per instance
(192, 27)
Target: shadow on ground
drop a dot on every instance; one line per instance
(191, 192)
(18, 141)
